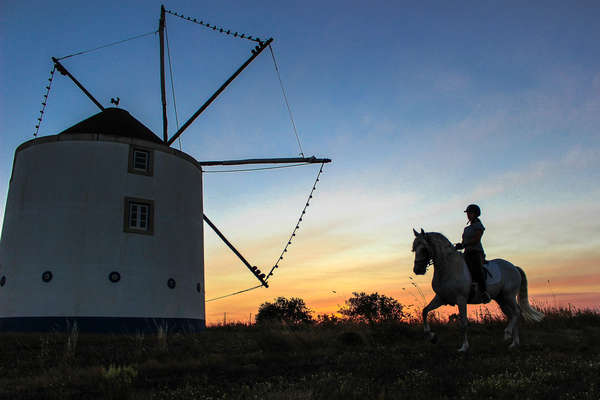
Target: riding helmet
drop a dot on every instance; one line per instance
(473, 208)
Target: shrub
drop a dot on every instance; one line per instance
(372, 308)
(117, 381)
(290, 311)
(328, 320)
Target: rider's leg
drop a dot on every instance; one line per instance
(474, 260)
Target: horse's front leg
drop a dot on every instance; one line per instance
(435, 303)
(464, 323)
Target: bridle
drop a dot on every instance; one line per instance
(428, 260)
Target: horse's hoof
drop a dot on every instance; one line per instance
(433, 338)
(513, 346)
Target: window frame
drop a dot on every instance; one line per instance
(126, 215)
(150, 162)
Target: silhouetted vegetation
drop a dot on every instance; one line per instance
(372, 308)
(290, 311)
(332, 358)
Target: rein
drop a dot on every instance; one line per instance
(433, 252)
(429, 262)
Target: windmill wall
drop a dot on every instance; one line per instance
(91, 237)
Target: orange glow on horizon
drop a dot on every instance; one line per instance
(326, 285)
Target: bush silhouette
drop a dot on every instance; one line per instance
(290, 311)
(372, 308)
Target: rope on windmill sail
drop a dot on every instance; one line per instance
(293, 235)
(233, 294)
(107, 45)
(50, 79)
(256, 169)
(44, 101)
(286, 100)
(216, 28)
(289, 242)
(172, 84)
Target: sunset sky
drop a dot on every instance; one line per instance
(424, 108)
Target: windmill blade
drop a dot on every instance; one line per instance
(255, 271)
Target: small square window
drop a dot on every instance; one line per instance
(138, 216)
(140, 160)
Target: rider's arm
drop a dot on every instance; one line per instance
(472, 235)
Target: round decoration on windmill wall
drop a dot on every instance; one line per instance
(114, 277)
(171, 283)
(47, 276)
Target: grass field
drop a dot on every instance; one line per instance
(559, 358)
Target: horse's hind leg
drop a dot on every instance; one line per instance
(513, 312)
(515, 322)
(507, 311)
(435, 303)
(464, 323)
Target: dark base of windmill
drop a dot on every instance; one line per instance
(101, 324)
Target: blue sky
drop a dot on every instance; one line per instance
(423, 107)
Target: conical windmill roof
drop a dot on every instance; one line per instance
(113, 121)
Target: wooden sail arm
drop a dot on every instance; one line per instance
(163, 96)
(255, 271)
(310, 160)
(64, 71)
(255, 52)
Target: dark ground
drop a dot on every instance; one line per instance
(559, 358)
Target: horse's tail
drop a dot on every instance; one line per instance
(529, 313)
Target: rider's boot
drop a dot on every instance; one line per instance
(485, 297)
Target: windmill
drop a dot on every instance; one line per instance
(117, 216)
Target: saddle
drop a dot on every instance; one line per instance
(492, 277)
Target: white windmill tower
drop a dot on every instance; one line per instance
(116, 217)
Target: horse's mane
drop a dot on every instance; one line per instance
(443, 247)
(438, 239)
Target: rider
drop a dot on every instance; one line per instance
(474, 254)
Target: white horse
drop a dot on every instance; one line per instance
(452, 285)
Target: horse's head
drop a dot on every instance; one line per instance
(423, 252)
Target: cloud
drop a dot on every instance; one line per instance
(451, 82)
(511, 180)
(596, 81)
(580, 157)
